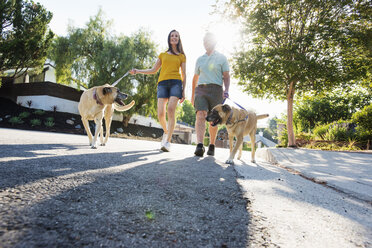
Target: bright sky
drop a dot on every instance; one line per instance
(192, 18)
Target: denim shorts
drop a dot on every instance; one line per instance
(170, 87)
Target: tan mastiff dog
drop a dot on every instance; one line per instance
(99, 102)
(239, 123)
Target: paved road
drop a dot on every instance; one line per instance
(56, 191)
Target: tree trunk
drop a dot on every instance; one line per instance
(290, 96)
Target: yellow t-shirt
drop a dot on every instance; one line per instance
(170, 66)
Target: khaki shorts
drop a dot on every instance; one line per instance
(207, 96)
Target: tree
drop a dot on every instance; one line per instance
(187, 114)
(92, 56)
(293, 47)
(24, 35)
(321, 109)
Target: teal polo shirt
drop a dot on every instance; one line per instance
(210, 68)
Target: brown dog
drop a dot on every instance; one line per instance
(99, 102)
(239, 123)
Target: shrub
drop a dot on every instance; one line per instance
(49, 119)
(363, 118)
(35, 122)
(340, 132)
(321, 131)
(15, 120)
(206, 141)
(283, 138)
(49, 123)
(304, 136)
(39, 112)
(24, 115)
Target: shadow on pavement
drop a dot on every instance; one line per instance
(129, 199)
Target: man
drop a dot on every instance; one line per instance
(211, 74)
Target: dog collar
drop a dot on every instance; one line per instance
(228, 122)
(95, 96)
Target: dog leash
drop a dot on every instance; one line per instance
(229, 119)
(117, 81)
(233, 102)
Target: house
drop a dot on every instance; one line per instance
(40, 91)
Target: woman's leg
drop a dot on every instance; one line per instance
(172, 105)
(162, 103)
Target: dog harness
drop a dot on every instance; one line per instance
(228, 122)
(95, 96)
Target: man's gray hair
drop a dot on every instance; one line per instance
(211, 38)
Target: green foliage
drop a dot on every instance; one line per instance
(338, 132)
(35, 122)
(24, 115)
(321, 131)
(187, 113)
(293, 47)
(24, 35)
(93, 56)
(363, 118)
(150, 215)
(49, 119)
(320, 109)
(39, 112)
(283, 138)
(206, 141)
(334, 146)
(49, 123)
(15, 120)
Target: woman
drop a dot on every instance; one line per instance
(171, 84)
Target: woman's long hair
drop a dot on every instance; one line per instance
(179, 45)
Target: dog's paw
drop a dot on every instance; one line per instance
(230, 161)
(103, 144)
(253, 161)
(93, 147)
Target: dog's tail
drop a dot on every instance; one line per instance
(259, 117)
(125, 107)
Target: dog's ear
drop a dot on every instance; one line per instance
(106, 90)
(226, 108)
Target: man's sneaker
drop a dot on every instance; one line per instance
(199, 151)
(165, 147)
(210, 151)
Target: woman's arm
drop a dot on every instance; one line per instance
(153, 70)
(183, 71)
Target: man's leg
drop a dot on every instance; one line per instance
(200, 125)
(212, 139)
(200, 132)
(212, 134)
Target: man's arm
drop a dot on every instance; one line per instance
(226, 83)
(194, 82)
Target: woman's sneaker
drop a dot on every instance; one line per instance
(163, 140)
(165, 147)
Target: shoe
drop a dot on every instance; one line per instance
(199, 151)
(165, 147)
(164, 139)
(210, 151)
